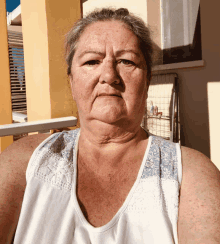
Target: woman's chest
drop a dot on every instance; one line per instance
(100, 198)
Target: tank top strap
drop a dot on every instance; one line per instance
(164, 160)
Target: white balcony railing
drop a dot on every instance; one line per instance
(40, 126)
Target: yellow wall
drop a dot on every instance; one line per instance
(44, 25)
(5, 89)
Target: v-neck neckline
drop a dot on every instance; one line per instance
(127, 199)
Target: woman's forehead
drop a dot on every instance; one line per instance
(108, 33)
(107, 25)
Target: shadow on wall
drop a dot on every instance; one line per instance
(194, 115)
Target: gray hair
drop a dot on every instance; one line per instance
(134, 23)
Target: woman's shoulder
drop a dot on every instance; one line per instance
(199, 214)
(18, 153)
(198, 167)
(13, 164)
(15, 158)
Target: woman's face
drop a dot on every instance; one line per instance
(109, 75)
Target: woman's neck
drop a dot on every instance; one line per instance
(101, 134)
(110, 145)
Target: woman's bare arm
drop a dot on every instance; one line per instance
(199, 210)
(13, 165)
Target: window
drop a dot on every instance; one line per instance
(180, 31)
(17, 75)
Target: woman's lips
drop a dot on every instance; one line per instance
(109, 94)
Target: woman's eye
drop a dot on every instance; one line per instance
(92, 62)
(126, 62)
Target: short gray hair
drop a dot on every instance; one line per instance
(134, 23)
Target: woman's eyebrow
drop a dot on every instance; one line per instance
(120, 52)
(91, 51)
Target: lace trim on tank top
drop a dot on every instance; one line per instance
(52, 161)
(162, 160)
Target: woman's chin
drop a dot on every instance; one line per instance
(109, 117)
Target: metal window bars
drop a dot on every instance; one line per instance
(161, 116)
(17, 73)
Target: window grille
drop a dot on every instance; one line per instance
(17, 75)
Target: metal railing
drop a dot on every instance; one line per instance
(37, 126)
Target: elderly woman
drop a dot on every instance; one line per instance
(109, 182)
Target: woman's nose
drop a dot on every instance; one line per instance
(109, 73)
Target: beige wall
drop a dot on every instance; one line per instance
(5, 89)
(44, 24)
(153, 20)
(138, 7)
(214, 120)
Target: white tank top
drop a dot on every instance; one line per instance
(51, 214)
